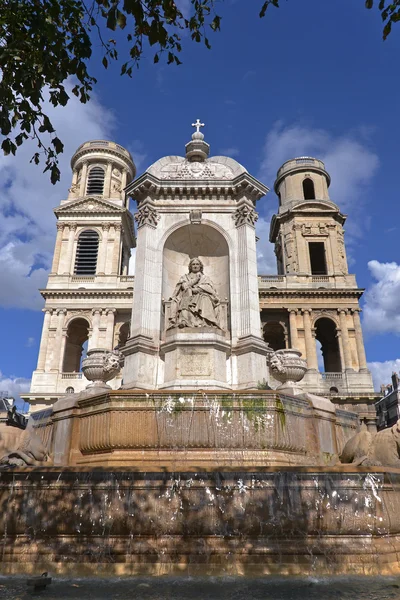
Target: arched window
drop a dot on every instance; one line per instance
(95, 182)
(123, 334)
(69, 390)
(326, 335)
(274, 335)
(86, 253)
(308, 189)
(77, 336)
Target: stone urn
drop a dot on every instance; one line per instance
(100, 366)
(287, 367)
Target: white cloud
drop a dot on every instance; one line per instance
(350, 163)
(231, 151)
(347, 158)
(30, 342)
(382, 371)
(14, 386)
(27, 199)
(382, 299)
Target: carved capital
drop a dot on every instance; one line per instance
(245, 215)
(147, 215)
(60, 226)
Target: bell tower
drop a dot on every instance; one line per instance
(313, 302)
(89, 291)
(308, 229)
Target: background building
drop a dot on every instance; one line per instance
(311, 304)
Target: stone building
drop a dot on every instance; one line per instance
(89, 292)
(388, 406)
(312, 302)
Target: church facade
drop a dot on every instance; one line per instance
(200, 207)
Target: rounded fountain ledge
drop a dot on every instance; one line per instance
(287, 367)
(100, 366)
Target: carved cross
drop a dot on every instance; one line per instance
(197, 125)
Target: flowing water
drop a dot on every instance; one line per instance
(354, 588)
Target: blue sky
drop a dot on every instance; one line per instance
(311, 78)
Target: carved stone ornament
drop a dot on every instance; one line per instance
(147, 216)
(100, 366)
(245, 215)
(196, 170)
(287, 367)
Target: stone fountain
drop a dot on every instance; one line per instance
(197, 482)
(189, 467)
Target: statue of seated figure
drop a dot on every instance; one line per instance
(195, 302)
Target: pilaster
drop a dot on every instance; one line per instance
(345, 340)
(58, 339)
(57, 249)
(44, 340)
(362, 360)
(294, 339)
(311, 350)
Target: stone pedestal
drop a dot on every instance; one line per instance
(195, 358)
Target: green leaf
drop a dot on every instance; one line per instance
(58, 145)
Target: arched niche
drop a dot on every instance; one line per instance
(203, 241)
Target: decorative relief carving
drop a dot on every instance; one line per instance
(196, 170)
(147, 215)
(291, 262)
(314, 229)
(245, 215)
(195, 217)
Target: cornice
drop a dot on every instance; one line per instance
(149, 184)
(107, 293)
(302, 293)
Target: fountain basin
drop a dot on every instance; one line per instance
(271, 520)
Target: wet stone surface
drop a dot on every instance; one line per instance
(352, 588)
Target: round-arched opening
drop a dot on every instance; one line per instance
(210, 246)
(123, 334)
(308, 189)
(274, 335)
(95, 181)
(76, 345)
(189, 241)
(86, 253)
(69, 390)
(333, 390)
(326, 335)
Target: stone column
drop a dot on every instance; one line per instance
(311, 350)
(345, 339)
(58, 339)
(107, 181)
(82, 188)
(110, 312)
(102, 260)
(123, 182)
(294, 338)
(71, 239)
(44, 340)
(94, 340)
(63, 345)
(362, 359)
(57, 249)
(116, 249)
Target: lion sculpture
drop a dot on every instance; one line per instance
(374, 449)
(21, 448)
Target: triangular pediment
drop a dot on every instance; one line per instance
(92, 205)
